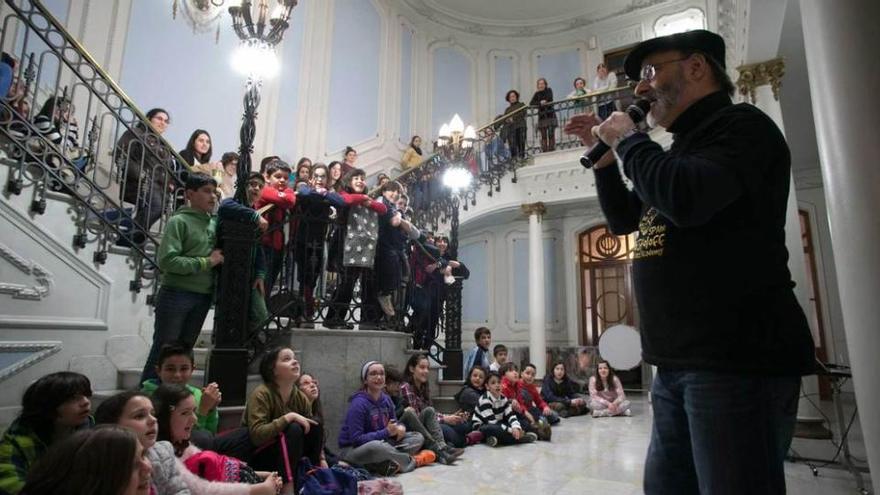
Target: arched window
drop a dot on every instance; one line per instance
(607, 298)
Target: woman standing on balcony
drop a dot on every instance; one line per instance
(514, 129)
(579, 90)
(412, 157)
(198, 155)
(140, 158)
(349, 158)
(543, 99)
(603, 82)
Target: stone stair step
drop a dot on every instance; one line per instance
(129, 379)
(445, 404)
(99, 396)
(450, 387)
(230, 417)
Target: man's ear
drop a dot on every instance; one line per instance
(697, 67)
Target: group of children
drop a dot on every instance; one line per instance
(327, 226)
(164, 438)
(559, 396)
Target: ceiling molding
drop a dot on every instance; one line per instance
(432, 11)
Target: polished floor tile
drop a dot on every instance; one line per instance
(602, 456)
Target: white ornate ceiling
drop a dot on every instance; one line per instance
(522, 17)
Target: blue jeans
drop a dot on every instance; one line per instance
(180, 315)
(719, 433)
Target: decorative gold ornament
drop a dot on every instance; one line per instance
(751, 76)
(534, 208)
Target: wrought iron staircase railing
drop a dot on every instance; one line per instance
(121, 195)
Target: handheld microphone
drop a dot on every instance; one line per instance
(637, 112)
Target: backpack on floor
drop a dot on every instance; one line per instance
(323, 481)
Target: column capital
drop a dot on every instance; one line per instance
(751, 76)
(534, 209)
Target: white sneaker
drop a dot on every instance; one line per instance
(627, 413)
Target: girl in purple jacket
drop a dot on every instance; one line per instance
(370, 435)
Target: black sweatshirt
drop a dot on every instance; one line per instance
(710, 263)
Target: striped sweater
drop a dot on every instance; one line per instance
(53, 132)
(494, 411)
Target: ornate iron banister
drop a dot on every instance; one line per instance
(54, 26)
(50, 155)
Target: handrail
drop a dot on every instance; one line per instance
(588, 95)
(143, 165)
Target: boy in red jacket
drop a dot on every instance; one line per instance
(511, 387)
(531, 399)
(275, 192)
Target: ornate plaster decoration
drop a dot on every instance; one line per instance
(430, 10)
(733, 26)
(752, 76)
(42, 278)
(38, 351)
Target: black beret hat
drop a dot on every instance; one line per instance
(699, 40)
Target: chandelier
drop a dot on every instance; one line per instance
(259, 33)
(455, 143)
(203, 16)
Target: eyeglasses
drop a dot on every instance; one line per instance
(649, 71)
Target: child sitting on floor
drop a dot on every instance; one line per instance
(499, 352)
(510, 388)
(468, 398)
(561, 393)
(494, 417)
(606, 393)
(370, 435)
(531, 399)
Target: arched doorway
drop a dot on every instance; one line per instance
(605, 262)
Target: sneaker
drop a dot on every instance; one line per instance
(386, 304)
(492, 441)
(425, 457)
(474, 437)
(627, 413)
(384, 468)
(453, 453)
(529, 437)
(543, 431)
(443, 457)
(600, 413)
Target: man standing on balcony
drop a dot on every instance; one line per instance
(719, 317)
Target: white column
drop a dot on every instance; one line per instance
(840, 43)
(763, 83)
(537, 311)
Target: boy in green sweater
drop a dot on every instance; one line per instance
(176, 365)
(186, 259)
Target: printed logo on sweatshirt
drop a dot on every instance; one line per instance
(652, 236)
